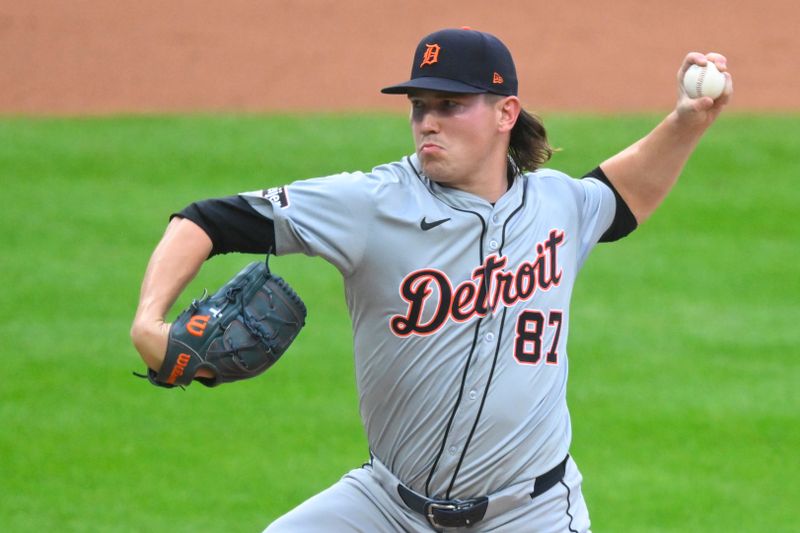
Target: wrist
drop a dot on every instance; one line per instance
(687, 125)
(150, 337)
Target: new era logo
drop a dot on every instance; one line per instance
(497, 79)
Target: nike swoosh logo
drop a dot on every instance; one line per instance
(425, 225)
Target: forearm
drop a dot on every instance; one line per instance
(174, 263)
(645, 172)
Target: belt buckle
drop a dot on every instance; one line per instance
(432, 506)
(453, 505)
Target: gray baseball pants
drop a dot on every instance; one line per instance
(366, 500)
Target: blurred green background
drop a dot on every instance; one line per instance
(684, 345)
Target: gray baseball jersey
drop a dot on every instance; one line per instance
(460, 313)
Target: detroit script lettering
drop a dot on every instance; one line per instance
(489, 287)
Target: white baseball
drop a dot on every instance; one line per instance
(704, 81)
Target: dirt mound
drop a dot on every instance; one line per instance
(95, 57)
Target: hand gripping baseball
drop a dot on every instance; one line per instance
(702, 109)
(237, 333)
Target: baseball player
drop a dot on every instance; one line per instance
(459, 263)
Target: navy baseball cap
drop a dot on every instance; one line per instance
(461, 61)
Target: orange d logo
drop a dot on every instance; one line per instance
(431, 54)
(197, 325)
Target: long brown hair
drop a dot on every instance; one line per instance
(528, 146)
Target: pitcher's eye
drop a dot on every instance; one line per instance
(450, 107)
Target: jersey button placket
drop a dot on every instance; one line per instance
(479, 369)
(468, 409)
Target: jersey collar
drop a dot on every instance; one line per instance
(458, 199)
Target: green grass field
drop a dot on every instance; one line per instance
(685, 349)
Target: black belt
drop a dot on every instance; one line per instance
(546, 481)
(461, 513)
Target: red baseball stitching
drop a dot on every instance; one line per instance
(700, 78)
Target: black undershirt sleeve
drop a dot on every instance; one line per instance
(624, 222)
(232, 225)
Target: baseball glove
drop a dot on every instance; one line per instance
(237, 333)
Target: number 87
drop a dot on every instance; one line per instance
(530, 330)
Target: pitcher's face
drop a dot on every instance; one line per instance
(456, 135)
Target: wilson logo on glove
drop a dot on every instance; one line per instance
(236, 333)
(197, 325)
(180, 364)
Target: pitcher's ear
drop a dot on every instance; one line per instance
(508, 108)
